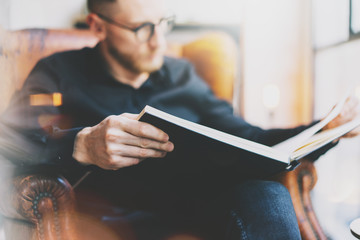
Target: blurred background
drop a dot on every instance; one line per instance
(296, 58)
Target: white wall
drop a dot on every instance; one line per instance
(4, 13)
(276, 49)
(18, 14)
(330, 22)
(207, 11)
(336, 70)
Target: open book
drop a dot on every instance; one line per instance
(191, 139)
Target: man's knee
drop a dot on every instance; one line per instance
(263, 208)
(257, 189)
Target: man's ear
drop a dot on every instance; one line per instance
(96, 26)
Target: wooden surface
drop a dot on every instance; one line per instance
(300, 182)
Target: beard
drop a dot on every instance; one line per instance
(140, 63)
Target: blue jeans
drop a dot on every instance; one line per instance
(260, 210)
(249, 210)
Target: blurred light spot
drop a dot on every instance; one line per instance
(54, 99)
(271, 96)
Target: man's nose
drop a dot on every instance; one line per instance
(158, 38)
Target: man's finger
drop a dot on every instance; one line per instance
(134, 152)
(130, 115)
(353, 133)
(118, 136)
(140, 129)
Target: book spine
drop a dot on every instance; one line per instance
(293, 164)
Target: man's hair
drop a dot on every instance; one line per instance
(96, 5)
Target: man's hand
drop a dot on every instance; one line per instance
(349, 112)
(120, 141)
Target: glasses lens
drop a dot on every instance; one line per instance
(145, 32)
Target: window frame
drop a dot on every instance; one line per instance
(352, 34)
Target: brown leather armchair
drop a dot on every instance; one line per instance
(40, 205)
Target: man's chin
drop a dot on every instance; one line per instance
(152, 66)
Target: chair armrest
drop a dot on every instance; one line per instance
(45, 200)
(299, 183)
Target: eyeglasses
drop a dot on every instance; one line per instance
(145, 31)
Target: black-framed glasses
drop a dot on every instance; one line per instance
(145, 31)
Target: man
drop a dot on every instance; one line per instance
(96, 129)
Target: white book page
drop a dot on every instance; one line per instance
(323, 138)
(290, 145)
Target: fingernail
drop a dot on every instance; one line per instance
(170, 146)
(166, 137)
